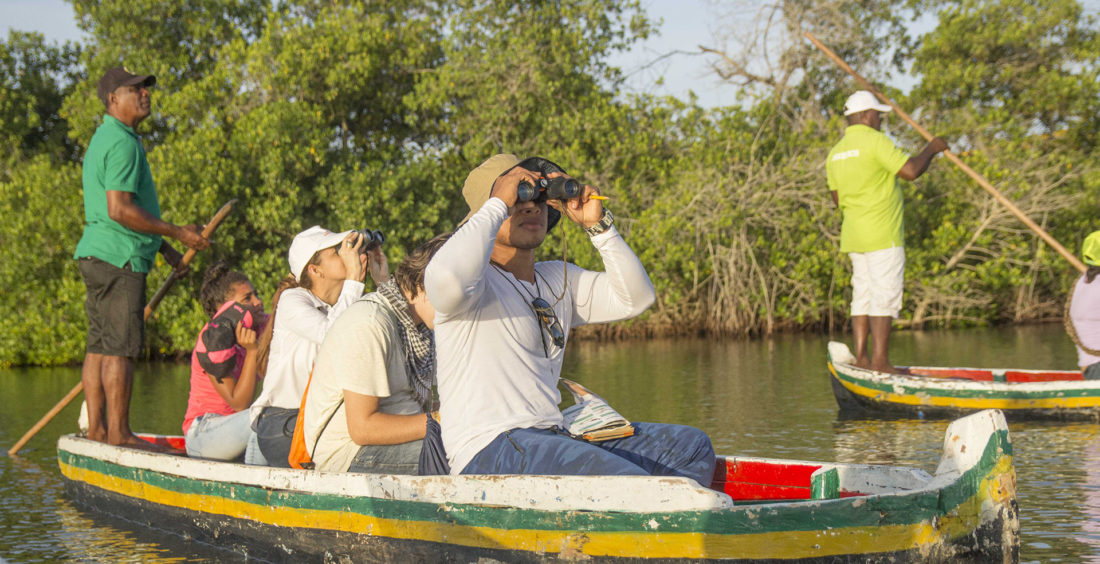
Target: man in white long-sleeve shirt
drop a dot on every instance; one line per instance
(502, 321)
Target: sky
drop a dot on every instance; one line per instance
(685, 24)
(668, 63)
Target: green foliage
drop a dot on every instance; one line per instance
(43, 297)
(369, 114)
(34, 80)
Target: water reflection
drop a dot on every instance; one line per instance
(900, 442)
(1090, 527)
(766, 398)
(1051, 478)
(80, 535)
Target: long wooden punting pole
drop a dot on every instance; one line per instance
(175, 275)
(997, 195)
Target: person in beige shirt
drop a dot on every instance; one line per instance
(371, 391)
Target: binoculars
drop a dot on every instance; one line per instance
(371, 239)
(559, 188)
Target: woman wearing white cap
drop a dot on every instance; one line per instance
(326, 276)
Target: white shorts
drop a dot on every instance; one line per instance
(877, 281)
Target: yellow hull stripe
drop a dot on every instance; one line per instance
(919, 399)
(780, 545)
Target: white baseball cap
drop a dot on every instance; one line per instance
(307, 243)
(862, 101)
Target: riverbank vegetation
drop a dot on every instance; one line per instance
(368, 114)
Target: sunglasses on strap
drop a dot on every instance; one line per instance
(549, 321)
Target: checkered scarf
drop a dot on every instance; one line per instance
(419, 344)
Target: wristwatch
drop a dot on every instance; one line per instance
(602, 225)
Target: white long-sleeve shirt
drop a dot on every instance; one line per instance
(301, 322)
(493, 370)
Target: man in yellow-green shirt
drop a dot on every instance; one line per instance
(861, 170)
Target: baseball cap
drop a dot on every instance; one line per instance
(119, 76)
(1090, 249)
(307, 243)
(862, 101)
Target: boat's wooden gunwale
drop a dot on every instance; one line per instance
(378, 517)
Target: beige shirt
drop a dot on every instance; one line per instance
(362, 353)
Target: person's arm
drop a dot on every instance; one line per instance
(836, 199)
(623, 290)
(238, 392)
(378, 266)
(299, 314)
(122, 209)
(368, 426)
(916, 166)
(455, 277)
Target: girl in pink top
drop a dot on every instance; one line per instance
(223, 369)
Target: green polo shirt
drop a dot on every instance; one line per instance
(115, 160)
(861, 169)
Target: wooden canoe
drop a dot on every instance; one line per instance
(950, 392)
(760, 509)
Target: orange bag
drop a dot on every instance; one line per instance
(299, 456)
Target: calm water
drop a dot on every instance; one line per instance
(762, 398)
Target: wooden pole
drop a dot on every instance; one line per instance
(997, 195)
(175, 275)
(179, 271)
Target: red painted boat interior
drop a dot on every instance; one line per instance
(755, 480)
(1059, 376)
(1009, 375)
(962, 373)
(175, 442)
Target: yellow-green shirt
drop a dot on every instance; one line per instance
(861, 168)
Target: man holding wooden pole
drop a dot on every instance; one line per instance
(861, 172)
(123, 232)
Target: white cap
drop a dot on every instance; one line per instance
(862, 101)
(307, 243)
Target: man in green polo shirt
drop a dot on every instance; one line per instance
(122, 235)
(861, 170)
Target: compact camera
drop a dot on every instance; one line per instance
(559, 188)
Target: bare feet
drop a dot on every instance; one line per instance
(863, 363)
(99, 436)
(134, 441)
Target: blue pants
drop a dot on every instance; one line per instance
(656, 449)
(274, 429)
(224, 437)
(387, 459)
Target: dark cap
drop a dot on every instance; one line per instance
(119, 76)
